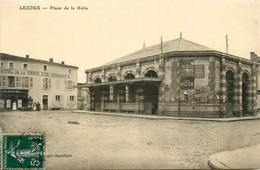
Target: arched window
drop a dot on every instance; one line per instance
(151, 74)
(129, 76)
(97, 80)
(112, 78)
(230, 78)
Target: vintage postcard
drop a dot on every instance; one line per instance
(140, 84)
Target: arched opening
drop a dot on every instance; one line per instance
(151, 74)
(230, 79)
(129, 76)
(151, 96)
(97, 80)
(112, 78)
(230, 100)
(245, 88)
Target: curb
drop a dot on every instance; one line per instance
(157, 117)
(214, 163)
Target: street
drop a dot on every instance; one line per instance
(101, 141)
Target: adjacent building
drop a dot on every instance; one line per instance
(25, 81)
(175, 78)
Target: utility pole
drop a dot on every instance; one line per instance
(179, 88)
(227, 43)
(161, 45)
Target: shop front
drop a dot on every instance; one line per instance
(13, 99)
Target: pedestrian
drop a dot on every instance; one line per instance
(34, 106)
(38, 106)
(14, 105)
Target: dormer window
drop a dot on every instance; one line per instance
(11, 65)
(25, 66)
(45, 68)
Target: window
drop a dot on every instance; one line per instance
(25, 81)
(20, 103)
(72, 98)
(31, 82)
(11, 82)
(69, 71)
(25, 66)
(230, 79)
(45, 68)
(46, 83)
(69, 84)
(58, 98)
(11, 65)
(3, 81)
(2, 103)
(18, 82)
(2, 64)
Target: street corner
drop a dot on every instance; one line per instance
(245, 158)
(23, 150)
(214, 163)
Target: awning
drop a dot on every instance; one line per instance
(128, 81)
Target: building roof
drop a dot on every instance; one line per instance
(4, 56)
(177, 45)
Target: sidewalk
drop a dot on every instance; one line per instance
(158, 117)
(246, 158)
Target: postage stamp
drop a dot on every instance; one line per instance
(25, 150)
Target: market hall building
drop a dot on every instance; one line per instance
(24, 81)
(175, 78)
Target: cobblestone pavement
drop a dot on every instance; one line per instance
(101, 141)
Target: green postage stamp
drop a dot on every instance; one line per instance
(25, 150)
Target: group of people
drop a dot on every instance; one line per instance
(36, 106)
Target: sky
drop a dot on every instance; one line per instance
(110, 29)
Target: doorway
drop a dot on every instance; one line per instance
(45, 102)
(230, 79)
(245, 88)
(151, 99)
(97, 99)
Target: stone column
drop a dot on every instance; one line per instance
(103, 75)
(138, 70)
(87, 99)
(92, 100)
(140, 92)
(111, 92)
(253, 92)
(223, 87)
(126, 93)
(238, 91)
(118, 73)
(161, 89)
(121, 98)
(86, 77)
(90, 77)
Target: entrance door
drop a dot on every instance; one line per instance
(45, 102)
(97, 99)
(245, 86)
(230, 79)
(151, 99)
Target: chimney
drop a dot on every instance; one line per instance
(51, 60)
(27, 56)
(62, 62)
(253, 56)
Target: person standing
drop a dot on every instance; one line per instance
(14, 106)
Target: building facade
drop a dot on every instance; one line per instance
(25, 81)
(175, 78)
(82, 97)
